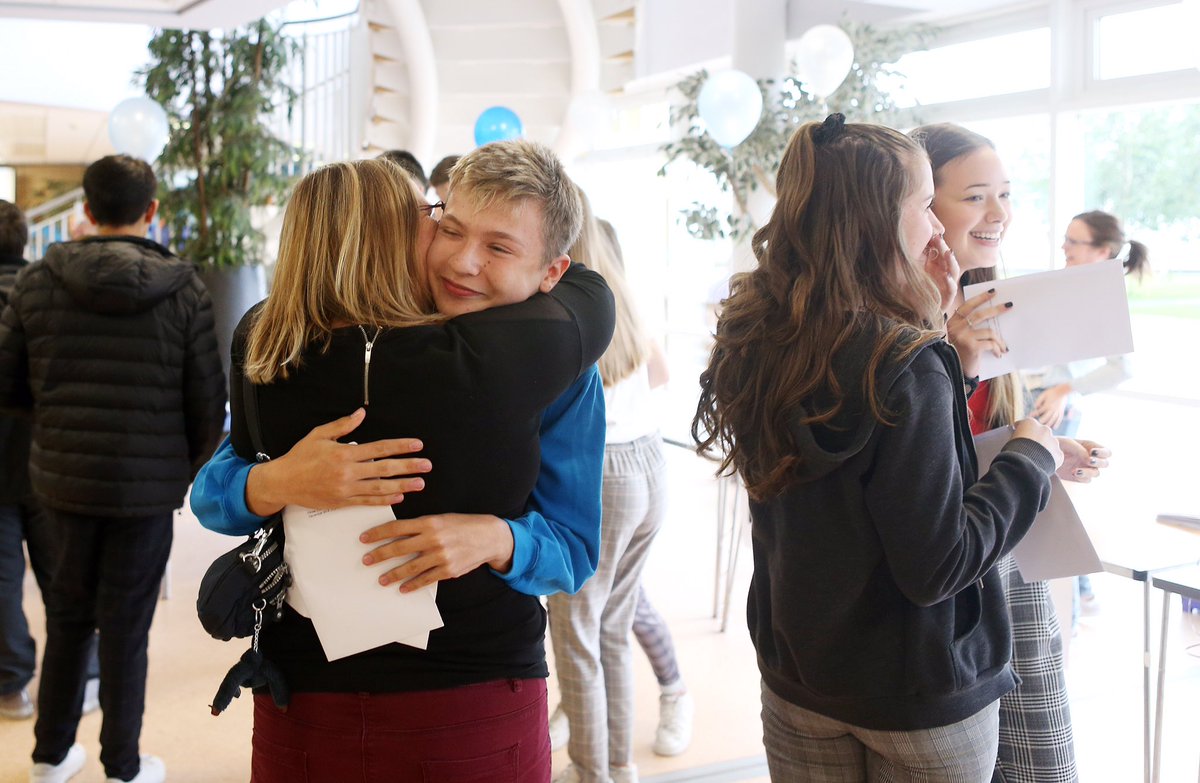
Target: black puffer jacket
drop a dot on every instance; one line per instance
(110, 341)
(15, 431)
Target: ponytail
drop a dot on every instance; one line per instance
(1138, 261)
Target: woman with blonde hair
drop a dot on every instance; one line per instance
(875, 605)
(350, 324)
(590, 630)
(971, 200)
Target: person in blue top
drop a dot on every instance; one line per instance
(556, 541)
(489, 251)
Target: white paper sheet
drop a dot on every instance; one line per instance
(1078, 312)
(1057, 545)
(350, 610)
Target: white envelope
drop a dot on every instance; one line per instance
(350, 610)
(1057, 544)
(1078, 312)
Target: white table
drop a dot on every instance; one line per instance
(1185, 582)
(1138, 549)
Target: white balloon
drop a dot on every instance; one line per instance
(824, 57)
(730, 104)
(138, 127)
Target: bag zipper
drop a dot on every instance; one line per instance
(367, 362)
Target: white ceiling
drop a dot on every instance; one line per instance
(35, 134)
(32, 134)
(157, 13)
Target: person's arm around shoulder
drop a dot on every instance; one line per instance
(587, 297)
(556, 544)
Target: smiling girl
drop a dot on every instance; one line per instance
(973, 202)
(875, 606)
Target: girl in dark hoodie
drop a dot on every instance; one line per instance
(875, 607)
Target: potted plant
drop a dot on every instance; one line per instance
(750, 167)
(220, 90)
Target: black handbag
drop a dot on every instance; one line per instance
(245, 588)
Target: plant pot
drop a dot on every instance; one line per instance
(234, 290)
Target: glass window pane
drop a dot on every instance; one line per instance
(1151, 40)
(1003, 64)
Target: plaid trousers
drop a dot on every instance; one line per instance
(1036, 741)
(590, 630)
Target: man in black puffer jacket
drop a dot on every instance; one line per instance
(109, 341)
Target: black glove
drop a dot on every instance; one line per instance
(252, 671)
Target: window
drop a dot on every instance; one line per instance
(1000, 65)
(1151, 40)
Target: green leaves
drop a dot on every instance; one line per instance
(219, 90)
(752, 164)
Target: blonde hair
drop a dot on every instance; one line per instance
(347, 254)
(628, 349)
(515, 171)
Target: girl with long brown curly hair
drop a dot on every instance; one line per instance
(875, 606)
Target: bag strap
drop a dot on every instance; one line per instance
(250, 400)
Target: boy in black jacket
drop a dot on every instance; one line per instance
(109, 341)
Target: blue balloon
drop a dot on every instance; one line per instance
(497, 123)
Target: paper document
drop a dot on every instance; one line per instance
(1078, 312)
(349, 609)
(1057, 545)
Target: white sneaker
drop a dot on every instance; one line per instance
(623, 774)
(571, 775)
(153, 771)
(560, 729)
(674, 733)
(62, 771)
(91, 696)
(16, 705)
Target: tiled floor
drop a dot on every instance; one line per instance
(1104, 671)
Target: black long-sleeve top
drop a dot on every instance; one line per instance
(473, 390)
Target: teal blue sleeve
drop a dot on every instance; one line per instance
(219, 494)
(556, 544)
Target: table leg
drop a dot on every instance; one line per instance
(1146, 677)
(1156, 766)
(722, 485)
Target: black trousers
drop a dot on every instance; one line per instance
(107, 579)
(25, 522)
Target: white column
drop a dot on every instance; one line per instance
(410, 25)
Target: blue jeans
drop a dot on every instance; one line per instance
(107, 579)
(18, 652)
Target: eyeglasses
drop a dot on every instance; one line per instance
(1078, 242)
(432, 210)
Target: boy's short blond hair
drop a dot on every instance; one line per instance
(516, 171)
